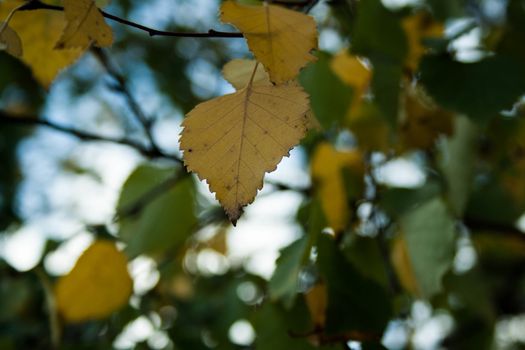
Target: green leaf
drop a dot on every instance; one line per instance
(480, 90)
(166, 221)
(378, 34)
(458, 163)
(430, 237)
(355, 303)
(283, 284)
(397, 201)
(330, 98)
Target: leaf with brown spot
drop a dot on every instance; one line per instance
(233, 140)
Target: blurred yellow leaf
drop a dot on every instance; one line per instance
(354, 73)
(10, 41)
(371, 130)
(85, 26)
(233, 140)
(98, 285)
(39, 31)
(327, 170)
(238, 72)
(418, 27)
(403, 267)
(424, 122)
(316, 300)
(280, 39)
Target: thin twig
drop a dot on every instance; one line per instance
(38, 5)
(138, 205)
(54, 322)
(27, 120)
(122, 87)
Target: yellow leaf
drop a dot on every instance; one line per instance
(316, 300)
(403, 266)
(418, 27)
(98, 285)
(369, 127)
(85, 26)
(232, 140)
(424, 122)
(327, 170)
(354, 73)
(238, 72)
(10, 41)
(39, 31)
(280, 39)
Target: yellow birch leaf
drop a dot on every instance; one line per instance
(353, 73)
(39, 31)
(403, 266)
(238, 72)
(417, 27)
(98, 285)
(327, 171)
(10, 41)
(233, 140)
(85, 26)
(280, 39)
(316, 300)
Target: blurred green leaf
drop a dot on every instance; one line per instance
(430, 238)
(284, 281)
(330, 98)
(355, 303)
(165, 222)
(480, 90)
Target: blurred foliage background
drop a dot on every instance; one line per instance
(399, 222)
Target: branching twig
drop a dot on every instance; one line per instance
(122, 87)
(38, 5)
(138, 205)
(27, 120)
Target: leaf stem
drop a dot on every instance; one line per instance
(17, 119)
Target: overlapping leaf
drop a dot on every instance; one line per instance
(280, 39)
(10, 41)
(85, 26)
(39, 31)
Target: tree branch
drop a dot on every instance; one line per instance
(38, 5)
(27, 120)
(122, 87)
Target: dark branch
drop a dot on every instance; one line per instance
(27, 120)
(122, 87)
(138, 205)
(37, 5)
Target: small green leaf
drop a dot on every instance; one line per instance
(430, 237)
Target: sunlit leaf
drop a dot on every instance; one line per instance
(280, 39)
(417, 27)
(39, 32)
(233, 140)
(85, 26)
